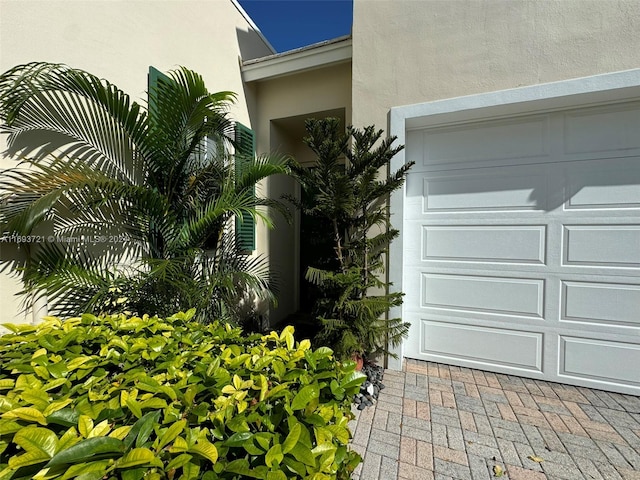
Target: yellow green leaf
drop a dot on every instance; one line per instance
(303, 454)
(138, 456)
(69, 438)
(327, 460)
(37, 398)
(341, 433)
(168, 391)
(305, 396)
(55, 406)
(205, 449)
(99, 468)
(134, 407)
(100, 430)
(85, 425)
(171, 433)
(228, 389)
(41, 371)
(7, 383)
(39, 353)
(37, 439)
(179, 461)
(179, 445)
(77, 362)
(535, 459)
(26, 381)
(121, 432)
(277, 475)
(287, 336)
(264, 440)
(153, 403)
(124, 396)
(323, 448)
(498, 471)
(274, 455)
(292, 438)
(9, 426)
(53, 384)
(29, 414)
(29, 458)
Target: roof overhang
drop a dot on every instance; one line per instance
(319, 55)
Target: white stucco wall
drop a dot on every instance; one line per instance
(119, 40)
(407, 51)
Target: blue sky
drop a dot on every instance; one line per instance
(290, 24)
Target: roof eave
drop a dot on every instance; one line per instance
(319, 55)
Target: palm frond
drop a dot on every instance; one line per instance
(94, 162)
(50, 108)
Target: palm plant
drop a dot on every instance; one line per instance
(347, 189)
(96, 167)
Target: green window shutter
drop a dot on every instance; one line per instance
(155, 76)
(245, 151)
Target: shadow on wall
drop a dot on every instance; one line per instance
(251, 45)
(610, 183)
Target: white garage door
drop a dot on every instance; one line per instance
(522, 246)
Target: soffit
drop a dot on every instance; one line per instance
(319, 55)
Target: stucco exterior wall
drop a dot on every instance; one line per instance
(407, 51)
(119, 40)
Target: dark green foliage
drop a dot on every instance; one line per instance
(347, 188)
(116, 397)
(147, 194)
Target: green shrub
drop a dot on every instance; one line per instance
(347, 192)
(131, 398)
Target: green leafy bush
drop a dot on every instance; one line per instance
(130, 398)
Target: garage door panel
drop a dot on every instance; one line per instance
(603, 130)
(613, 246)
(484, 346)
(490, 189)
(515, 244)
(590, 302)
(609, 184)
(496, 140)
(600, 360)
(497, 295)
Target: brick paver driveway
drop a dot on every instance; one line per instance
(435, 421)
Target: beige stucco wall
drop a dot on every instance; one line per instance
(119, 40)
(408, 51)
(283, 104)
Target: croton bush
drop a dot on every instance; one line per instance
(132, 398)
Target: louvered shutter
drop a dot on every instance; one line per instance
(153, 78)
(245, 152)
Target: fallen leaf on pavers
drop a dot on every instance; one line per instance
(535, 459)
(498, 471)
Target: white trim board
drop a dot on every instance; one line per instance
(580, 92)
(320, 55)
